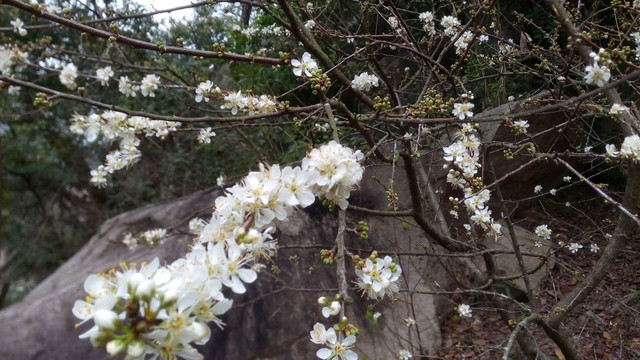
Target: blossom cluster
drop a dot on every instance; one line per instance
(269, 30)
(248, 103)
(377, 276)
(18, 27)
(464, 155)
(364, 81)
(464, 310)
(150, 238)
(68, 76)
(336, 348)
(629, 150)
(149, 85)
(11, 59)
(428, 24)
(450, 25)
(162, 310)
(113, 126)
(597, 74)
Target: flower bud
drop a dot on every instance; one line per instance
(170, 296)
(115, 347)
(105, 319)
(322, 300)
(145, 288)
(135, 280)
(136, 349)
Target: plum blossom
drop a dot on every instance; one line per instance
(463, 110)
(618, 109)
(235, 102)
(404, 355)
(409, 321)
(18, 27)
(574, 247)
(318, 334)
(630, 148)
(597, 74)
(149, 85)
(364, 81)
(333, 309)
(337, 349)
(464, 310)
(427, 18)
(126, 87)
(68, 76)
(450, 25)
(104, 74)
(543, 231)
(205, 135)
(333, 170)
(520, 126)
(378, 277)
(306, 65)
(203, 90)
(182, 297)
(13, 90)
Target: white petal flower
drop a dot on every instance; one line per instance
(543, 231)
(306, 65)
(318, 334)
(464, 310)
(404, 355)
(618, 109)
(337, 349)
(462, 110)
(574, 247)
(68, 76)
(597, 74)
(104, 74)
(630, 148)
(364, 81)
(332, 309)
(149, 85)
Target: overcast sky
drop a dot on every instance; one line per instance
(168, 4)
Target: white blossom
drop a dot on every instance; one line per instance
(450, 25)
(520, 126)
(306, 65)
(464, 310)
(597, 74)
(543, 231)
(404, 355)
(205, 135)
(630, 148)
(104, 74)
(203, 90)
(68, 76)
(364, 81)
(149, 85)
(462, 110)
(618, 109)
(574, 247)
(126, 87)
(18, 27)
